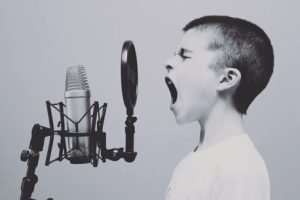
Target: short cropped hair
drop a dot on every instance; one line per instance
(244, 46)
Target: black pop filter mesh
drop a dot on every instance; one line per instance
(129, 76)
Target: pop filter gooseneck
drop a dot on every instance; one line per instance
(129, 76)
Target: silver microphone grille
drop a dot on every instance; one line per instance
(76, 79)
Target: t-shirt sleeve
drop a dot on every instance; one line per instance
(240, 184)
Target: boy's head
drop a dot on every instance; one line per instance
(232, 48)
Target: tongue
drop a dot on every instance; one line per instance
(172, 89)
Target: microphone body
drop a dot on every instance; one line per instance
(77, 100)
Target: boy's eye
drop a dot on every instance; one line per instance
(182, 55)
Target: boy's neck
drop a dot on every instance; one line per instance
(222, 123)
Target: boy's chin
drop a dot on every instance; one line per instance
(181, 120)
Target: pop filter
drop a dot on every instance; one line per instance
(129, 76)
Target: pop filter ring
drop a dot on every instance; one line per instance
(129, 76)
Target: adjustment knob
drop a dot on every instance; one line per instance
(24, 155)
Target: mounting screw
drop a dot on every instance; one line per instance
(24, 155)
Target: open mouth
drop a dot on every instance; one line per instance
(172, 89)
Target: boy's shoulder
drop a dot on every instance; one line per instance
(235, 153)
(234, 162)
(234, 156)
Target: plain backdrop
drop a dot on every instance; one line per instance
(40, 39)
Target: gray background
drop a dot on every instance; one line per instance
(39, 39)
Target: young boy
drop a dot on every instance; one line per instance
(220, 66)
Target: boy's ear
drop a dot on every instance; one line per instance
(229, 79)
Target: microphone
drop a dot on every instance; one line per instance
(84, 123)
(77, 99)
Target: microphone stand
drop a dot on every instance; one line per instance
(98, 149)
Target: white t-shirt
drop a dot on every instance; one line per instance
(229, 170)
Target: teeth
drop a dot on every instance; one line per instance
(172, 89)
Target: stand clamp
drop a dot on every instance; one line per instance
(38, 135)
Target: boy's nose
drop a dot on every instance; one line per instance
(169, 65)
(168, 68)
